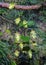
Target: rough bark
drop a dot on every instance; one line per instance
(22, 7)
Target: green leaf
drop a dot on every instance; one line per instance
(13, 63)
(25, 38)
(8, 31)
(1, 33)
(34, 1)
(2, 10)
(30, 23)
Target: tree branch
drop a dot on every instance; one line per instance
(22, 7)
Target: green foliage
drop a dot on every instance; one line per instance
(2, 10)
(27, 33)
(4, 53)
(1, 33)
(8, 31)
(13, 63)
(31, 23)
(34, 2)
(25, 38)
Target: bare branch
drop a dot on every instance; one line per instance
(22, 7)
